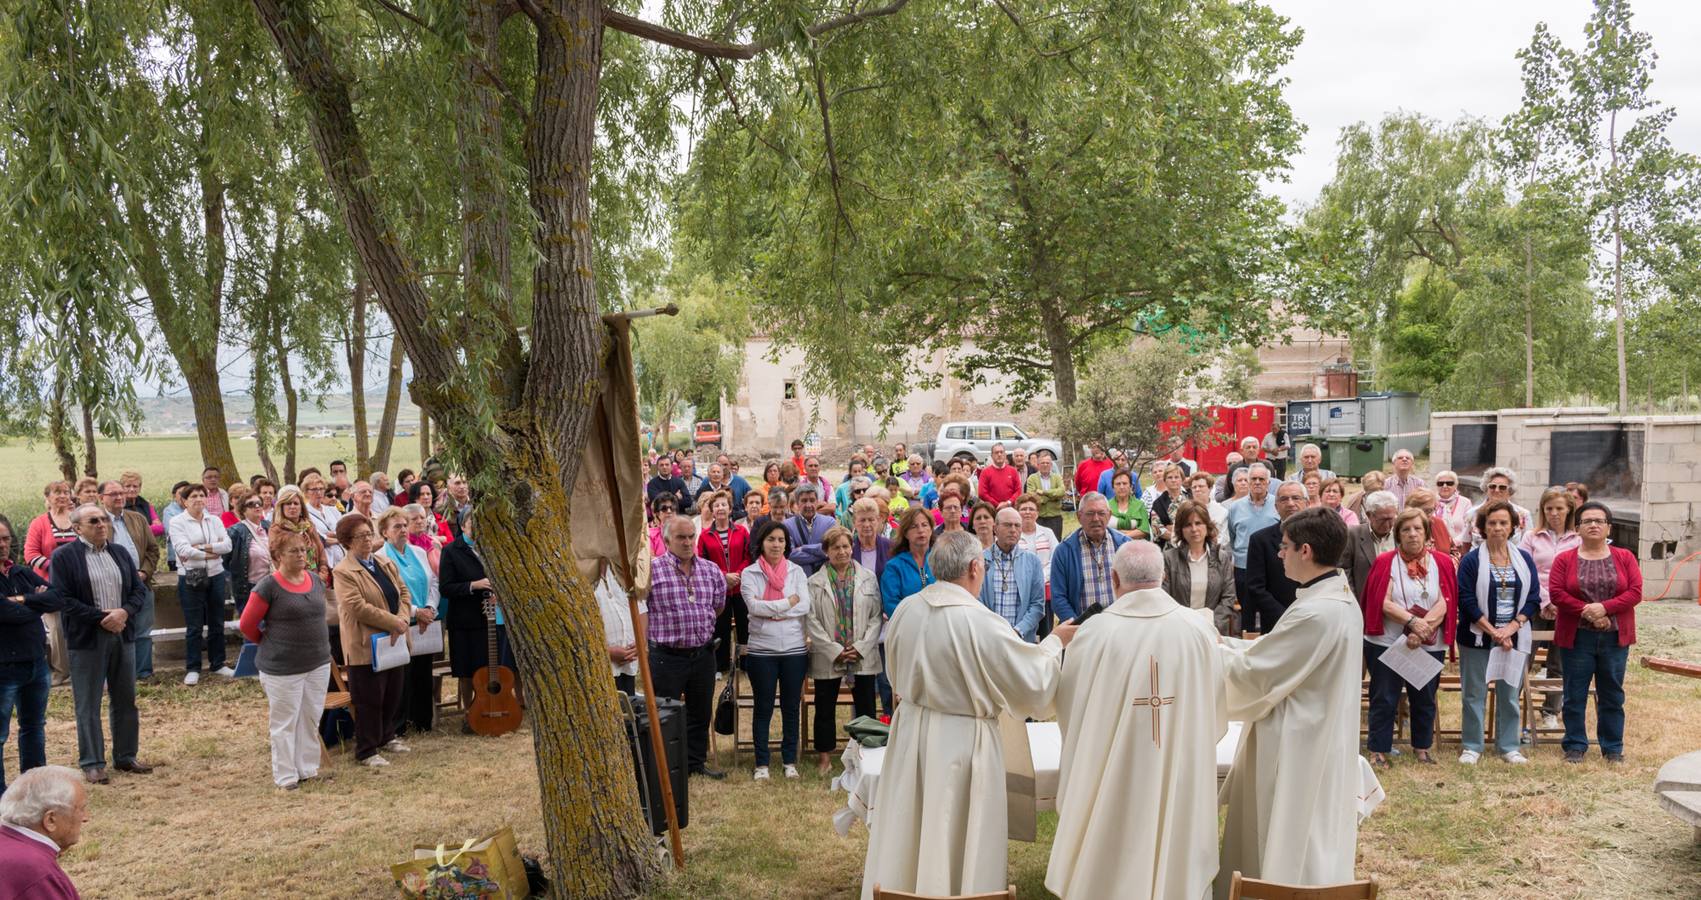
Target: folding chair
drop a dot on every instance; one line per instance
(336, 699)
(1243, 888)
(1008, 893)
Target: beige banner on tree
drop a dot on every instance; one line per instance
(611, 474)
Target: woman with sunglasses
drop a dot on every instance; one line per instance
(1595, 588)
(250, 556)
(1499, 483)
(1453, 509)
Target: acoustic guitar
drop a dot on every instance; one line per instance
(495, 708)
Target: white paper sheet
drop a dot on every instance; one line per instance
(1506, 665)
(1414, 664)
(385, 655)
(428, 641)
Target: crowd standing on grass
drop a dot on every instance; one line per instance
(313, 570)
(780, 579)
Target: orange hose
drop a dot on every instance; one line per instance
(1673, 577)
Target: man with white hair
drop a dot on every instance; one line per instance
(1370, 538)
(1141, 706)
(380, 492)
(1015, 577)
(1402, 483)
(1246, 517)
(941, 824)
(1310, 460)
(41, 816)
(687, 593)
(1080, 566)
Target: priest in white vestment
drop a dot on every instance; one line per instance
(939, 823)
(1141, 707)
(1293, 792)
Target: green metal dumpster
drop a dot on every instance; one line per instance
(1352, 457)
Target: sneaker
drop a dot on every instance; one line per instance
(375, 761)
(192, 678)
(225, 672)
(1469, 758)
(1550, 722)
(396, 746)
(791, 770)
(761, 774)
(1574, 756)
(1516, 758)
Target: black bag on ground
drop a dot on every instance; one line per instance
(724, 714)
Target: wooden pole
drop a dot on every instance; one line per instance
(665, 776)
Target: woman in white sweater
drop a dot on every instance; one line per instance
(844, 638)
(777, 594)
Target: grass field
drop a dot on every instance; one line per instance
(208, 823)
(162, 461)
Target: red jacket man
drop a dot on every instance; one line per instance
(999, 483)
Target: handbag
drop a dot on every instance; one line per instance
(489, 867)
(197, 579)
(724, 711)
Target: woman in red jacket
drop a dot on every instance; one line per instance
(1411, 596)
(726, 544)
(1595, 588)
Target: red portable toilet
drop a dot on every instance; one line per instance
(1181, 420)
(1257, 419)
(1213, 448)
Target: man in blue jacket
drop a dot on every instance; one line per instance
(24, 675)
(1080, 566)
(102, 593)
(1015, 578)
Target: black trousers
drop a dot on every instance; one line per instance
(626, 684)
(1248, 609)
(688, 674)
(419, 702)
(377, 698)
(1055, 523)
(827, 707)
(734, 618)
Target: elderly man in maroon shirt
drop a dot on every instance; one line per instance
(41, 816)
(686, 595)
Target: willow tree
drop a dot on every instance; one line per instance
(556, 126)
(1015, 185)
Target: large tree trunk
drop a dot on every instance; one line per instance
(380, 461)
(356, 347)
(598, 843)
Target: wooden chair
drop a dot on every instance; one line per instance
(1536, 689)
(337, 699)
(1253, 889)
(1008, 893)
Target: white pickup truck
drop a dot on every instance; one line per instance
(965, 439)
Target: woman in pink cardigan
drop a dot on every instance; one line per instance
(50, 530)
(1595, 588)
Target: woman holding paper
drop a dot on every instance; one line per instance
(1419, 608)
(1499, 592)
(415, 568)
(372, 602)
(285, 615)
(1595, 589)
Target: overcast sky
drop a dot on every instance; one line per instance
(1361, 59)
(1449, 58)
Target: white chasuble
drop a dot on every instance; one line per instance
(1141, 707)
(939, 824)
(1293, 791)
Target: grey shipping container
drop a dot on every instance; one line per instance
(1402, 416)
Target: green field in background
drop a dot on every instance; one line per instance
(163, 461)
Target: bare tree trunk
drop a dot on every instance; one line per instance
(380, 461)
(356, 350)
(291, 401)
(1529, 326)
(57, 426)
(89, 467)
(424, 439)
(1618, 274)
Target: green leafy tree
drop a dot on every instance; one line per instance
(1129, 398)
(692, 358)
(1012, 186)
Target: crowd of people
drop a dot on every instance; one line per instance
(788, 569)
(316, 571)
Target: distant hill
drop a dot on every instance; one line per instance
(176, 415)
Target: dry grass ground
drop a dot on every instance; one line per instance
(208, 823)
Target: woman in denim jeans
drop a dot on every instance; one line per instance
(776, 591)
(1595, 588)
(24, 678)
(1499, 592)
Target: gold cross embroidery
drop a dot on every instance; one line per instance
(1157, 703)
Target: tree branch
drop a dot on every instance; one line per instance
(827, 138)
(702, 46)
(495, 79)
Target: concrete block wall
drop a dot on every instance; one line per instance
(1441, 435)
(1671, 503)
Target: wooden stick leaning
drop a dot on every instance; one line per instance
(664, 776)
